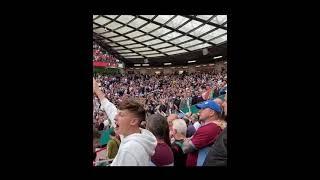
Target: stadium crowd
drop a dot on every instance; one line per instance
(146, 120)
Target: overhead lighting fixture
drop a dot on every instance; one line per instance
(217, 57)
(137, 64)
(145, 64)
(204, 65)
(160, 68)
(166, 64)
(191, 61)
(225, 62)
(184, 67)
(137, 68)
(197, 66)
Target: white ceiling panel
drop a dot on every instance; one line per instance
(162, 45)
(144, 38)
(109, 34)
(204, 17)
(160, 31)
(113, 25)
(169, 49)
(163, 18)
(137, 22)
(149, 27)
(126, 42)
(190, 43)
(134, 34)
(101, 20)
(134, 57)
(124, 30)
(213, 34)
(220, 19)
(190, 25)
(149, 52)
(134, 46)
(176, 52)
(125, 18)
(177, 21)
(220, 39)
(142, 49)
(99, 30)
(181, 39)
(155, 55)
(153, 42)
(171, 35)
(200, 46)
(120, 38)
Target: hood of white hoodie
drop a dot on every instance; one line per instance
(145, 138)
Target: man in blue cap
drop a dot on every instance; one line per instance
(197, 146)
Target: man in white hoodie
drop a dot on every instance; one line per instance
(137, 145)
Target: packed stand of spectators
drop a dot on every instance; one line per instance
(145, 127)
(101, 55)
(166, 94)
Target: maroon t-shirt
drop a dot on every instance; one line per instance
(204, 136)
(163, 155)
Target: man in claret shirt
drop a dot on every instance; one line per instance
(205, 136)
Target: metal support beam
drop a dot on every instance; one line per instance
(204, 21)
(177, 30)
(154, 37)
(123, 47)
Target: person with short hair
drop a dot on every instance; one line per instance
(137, 144)
(179, 129)
(158, 126)
(197, 146)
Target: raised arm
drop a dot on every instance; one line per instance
(108, 107)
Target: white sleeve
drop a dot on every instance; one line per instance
(110, 109)
(124, 159)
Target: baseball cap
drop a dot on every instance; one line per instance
(209, 104)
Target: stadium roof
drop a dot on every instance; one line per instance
(161, 38)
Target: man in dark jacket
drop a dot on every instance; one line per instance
(217, 155)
